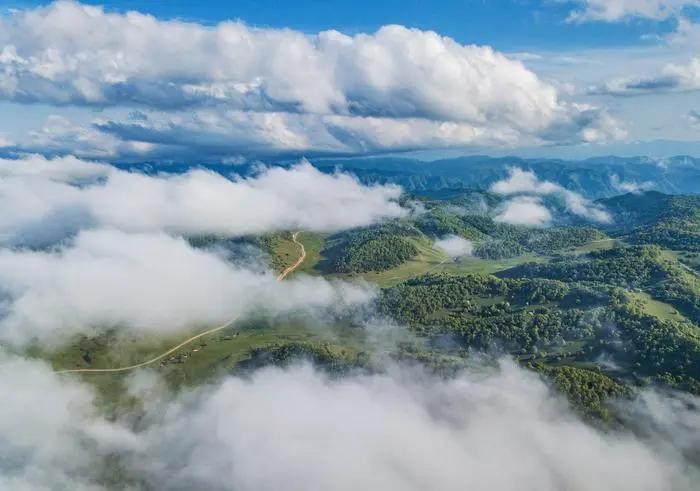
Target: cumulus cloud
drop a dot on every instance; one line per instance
(298, 429)
(525, 210)
(42, 201)
(244, 82)
(108, 278)
(618, 10)
(673, 77)
(526, 183)
(455, 246)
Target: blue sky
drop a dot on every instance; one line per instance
(510, 25)
(623, 75)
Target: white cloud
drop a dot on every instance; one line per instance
(526, 182)
(50, 432)
(41, 204)
(521, 181)
(59, 136)
(673, 77)
(525, 210)
(619, 10)
(396, 80)
(107, 278)
(60, 169)
(674, 66)
(218, 133)
(491, 431)
(630, 186)
(455, 246)
(297, 429)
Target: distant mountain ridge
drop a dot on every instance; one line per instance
(595, 178)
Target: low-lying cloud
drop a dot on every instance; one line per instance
(521, 182)
(297, 429)
(455, 246)
(524, 210)
(143, 282)
(630, 186)
(45, 200)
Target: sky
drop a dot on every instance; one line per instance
(225, 81)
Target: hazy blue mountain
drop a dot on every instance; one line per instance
(595, 178)
(599, 177)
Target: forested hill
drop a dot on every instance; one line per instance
(651, 207)
(655, 218)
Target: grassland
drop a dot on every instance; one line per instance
(198, 362)
(283, 251)
(438, 264)
(656, 308)
(596, 245)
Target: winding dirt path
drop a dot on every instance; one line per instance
(282, 275)
(302, 249)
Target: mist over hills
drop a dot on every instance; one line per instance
(594, 178)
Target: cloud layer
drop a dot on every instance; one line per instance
(146, 282)
(296, 429)
(234, 88)
(88, 246)
(46, 200)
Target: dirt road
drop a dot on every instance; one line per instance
(302, 249)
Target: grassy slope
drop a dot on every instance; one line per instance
(283, 250)
(656, 308)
